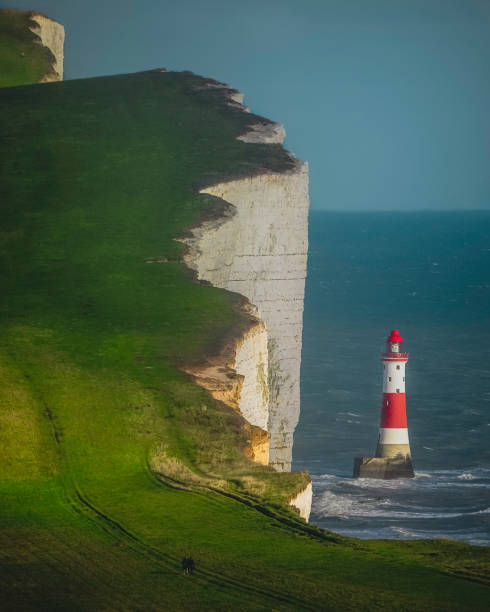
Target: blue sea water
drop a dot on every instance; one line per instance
(428, 275)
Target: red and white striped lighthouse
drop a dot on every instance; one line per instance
(393, 433)
(393, 458)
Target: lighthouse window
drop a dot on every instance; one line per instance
(404, 379)
(389, 378)
(398, 390)
(397, 367)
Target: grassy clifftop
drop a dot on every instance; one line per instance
(22, 59)
(97, 312)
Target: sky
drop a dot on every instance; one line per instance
(388, 100)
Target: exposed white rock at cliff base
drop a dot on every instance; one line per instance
(52, 35)
(302, 501)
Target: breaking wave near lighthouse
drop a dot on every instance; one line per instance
(437, 503)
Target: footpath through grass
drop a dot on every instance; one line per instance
(97, 311)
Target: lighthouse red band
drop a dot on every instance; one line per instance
(393, 433)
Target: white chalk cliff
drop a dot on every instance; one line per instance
(238, 377)
(258, 248)
(51, 35)
(302, 501)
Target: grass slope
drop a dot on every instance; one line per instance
(98, 177)
(22, 59)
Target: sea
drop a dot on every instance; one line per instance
(426, 274)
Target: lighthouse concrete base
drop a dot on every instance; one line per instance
(383, 467)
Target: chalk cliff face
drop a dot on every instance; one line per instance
(52, 35)
(302, 501)
(252, 364)
(261, 253)
(259, 249)
(238, 377)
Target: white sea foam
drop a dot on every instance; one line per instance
(324, 477)
(405, 533)
(331, 504)
(466, 476)
(406, 508)
(368, 483)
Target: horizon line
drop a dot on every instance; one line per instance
(394, 210)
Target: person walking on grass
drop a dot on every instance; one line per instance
(188, 565)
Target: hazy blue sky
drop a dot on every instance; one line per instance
(389, 100)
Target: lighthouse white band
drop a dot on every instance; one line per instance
(393, 377)
(393, 435)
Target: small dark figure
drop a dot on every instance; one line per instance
(188, 565)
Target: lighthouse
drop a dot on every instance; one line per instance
(393, 458)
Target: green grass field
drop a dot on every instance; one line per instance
(113, 465)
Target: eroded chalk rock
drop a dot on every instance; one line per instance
(237, 376)
(52, 35)
(266, 132)
(302, 501)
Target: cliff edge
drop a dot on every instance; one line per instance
(52, 36)
(31, 48)
(259, 249)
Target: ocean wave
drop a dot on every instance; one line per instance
(325, 477)
(370, 483)
(431, 478)
(405, 533)
(430, 496)
(480, 471)
(377, 504)
(346, 506)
